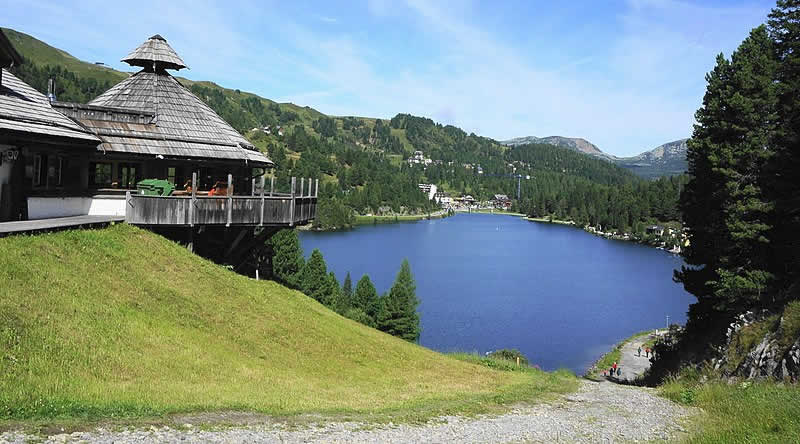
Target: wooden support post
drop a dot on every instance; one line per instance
(291, 204)
(302, 182)
(194, 199)
(230, 199)
(263, 182)
(253, 187)
(316, 188)
(127, 203)
(271, 186)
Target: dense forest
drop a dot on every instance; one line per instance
(741, 205)
(362, 168)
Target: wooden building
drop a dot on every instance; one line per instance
(72, 159)
(41, 150)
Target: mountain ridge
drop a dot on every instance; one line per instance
(666, 159)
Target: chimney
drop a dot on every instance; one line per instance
(51, 90)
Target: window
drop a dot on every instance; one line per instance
(99, 175)
(37, 170)
(171, 175)
(127, 176)
(55, 166)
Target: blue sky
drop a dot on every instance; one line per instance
(626, 75)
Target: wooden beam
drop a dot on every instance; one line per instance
(261, 220)
(230, 199)
(235, 243)
(291, 205)
(193, 203)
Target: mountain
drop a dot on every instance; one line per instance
(668, 159)
(665, 160)
(573, 143)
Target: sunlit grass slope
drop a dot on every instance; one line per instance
(123, 322)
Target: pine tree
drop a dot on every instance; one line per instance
(366, 299)
(314, 280)
(347, 292)
(784, 169)
(333, 299)
(287, 257)
(724, 206)
(398, 312)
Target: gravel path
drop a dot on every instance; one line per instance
(598, 412)
(631, 363)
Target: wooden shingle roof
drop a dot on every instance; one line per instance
(152, 113)
(155, 51)
(25, 111)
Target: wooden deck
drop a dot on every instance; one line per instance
(266, 209)
(228, 211)
(59, 223)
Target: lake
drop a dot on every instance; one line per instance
(558, 294)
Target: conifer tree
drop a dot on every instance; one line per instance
(366, 298)
(724, 205)
(398, 311)
(333, 299)
(347, 291)
(287, 257)
(314, 280)
(784, 168)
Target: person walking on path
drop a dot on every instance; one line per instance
(614, 367)
(619, 371)
(647, 350)
(639, 352)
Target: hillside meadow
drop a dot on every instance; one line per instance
(120, 322)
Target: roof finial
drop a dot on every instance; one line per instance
(157, 53)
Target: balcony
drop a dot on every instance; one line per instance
(264, 208)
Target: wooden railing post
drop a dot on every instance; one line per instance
(127, 204)
(253, 187)
(271, 185)
(194, 199)
(316, 189)
(230, 199)
(291, 204)
(263, 182)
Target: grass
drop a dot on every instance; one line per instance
(547, 219)
(44, 54)
(505, 213)
(748, 412)
(369, 220)
(122, 323)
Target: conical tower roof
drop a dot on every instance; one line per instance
(155, 50)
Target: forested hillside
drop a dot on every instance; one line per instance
(362, 161)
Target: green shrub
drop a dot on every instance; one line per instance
(510, 355)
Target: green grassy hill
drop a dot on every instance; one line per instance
(121, 322)
(43, 54)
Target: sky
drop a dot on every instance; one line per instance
(625, 75)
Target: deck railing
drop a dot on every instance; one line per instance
(263, 209)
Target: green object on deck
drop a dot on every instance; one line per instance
(155, 187)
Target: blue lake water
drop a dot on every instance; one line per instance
(558, 294)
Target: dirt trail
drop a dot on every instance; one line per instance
(597, 412)
(632, 364)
